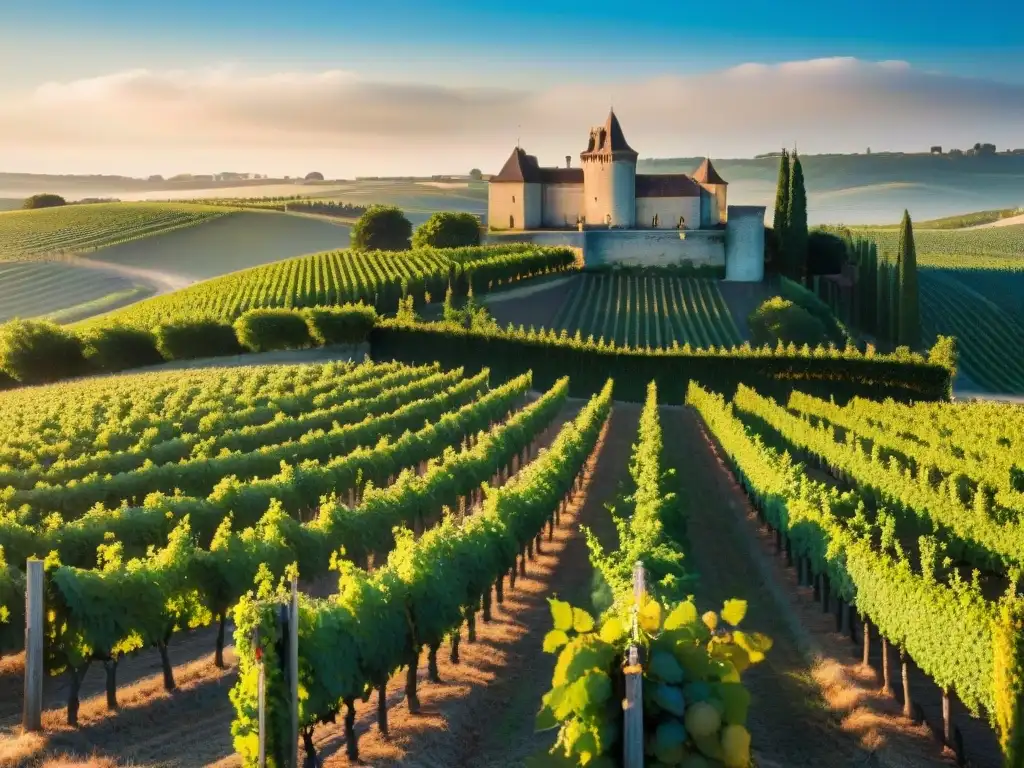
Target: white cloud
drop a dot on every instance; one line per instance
(142, 120)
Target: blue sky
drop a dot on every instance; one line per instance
(405, 38)
(178, 84)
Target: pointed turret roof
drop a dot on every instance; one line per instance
(608, 139)
(519, 167)
(706, 174)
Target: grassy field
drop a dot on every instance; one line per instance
(648, 311)
(31, 289)
(241, 240)
(84, 228)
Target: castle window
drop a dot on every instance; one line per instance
(513, 198)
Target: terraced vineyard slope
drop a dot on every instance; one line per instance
(971, 284)
(380, 278)
(649, 311)
(73, 229)
(57, 289)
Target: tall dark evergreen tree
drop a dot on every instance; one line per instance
(910, 313)
(872, 287)
(781, 218)
(796, 223)
(882, 306)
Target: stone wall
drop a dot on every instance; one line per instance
(646, 247)
(654, 248)
(745, 244)
(668, 210)
(563, 204)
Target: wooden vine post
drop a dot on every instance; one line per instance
(293, 673)
(633, 707)
(33, 715)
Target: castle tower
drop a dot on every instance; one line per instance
(514, 194)
(713, 206)
(609, 176)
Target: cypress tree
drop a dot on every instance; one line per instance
(782, 211)
(796, 222)
(873, 287)
(882, 306)
(910, 315)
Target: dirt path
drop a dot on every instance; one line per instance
(813, 704)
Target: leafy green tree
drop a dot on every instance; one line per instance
(910, 314)
(448, 229)
(382, 228)
(795, 239)
(781, 208)
(476, 174)
(43, 200)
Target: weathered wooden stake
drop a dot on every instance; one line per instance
(382, 708)
(908, 706)
(886, 687)
(866, 659)
(34, 629)
(293, 673)
(947, 720)
(261, 703)
(824, 593)
(633, 708)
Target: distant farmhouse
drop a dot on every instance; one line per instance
(614, 214)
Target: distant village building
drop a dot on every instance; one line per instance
(613, 214)
(936, 150)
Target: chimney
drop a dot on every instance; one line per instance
(568, 161)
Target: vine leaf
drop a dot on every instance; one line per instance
(754, 643)
(733, 611)
(612, 631)
(682, 615)
(554, 640)
(650, 616)
(561, 612)
(582, 621)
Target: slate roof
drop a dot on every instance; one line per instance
(608, 139)
(520, 167)
(706, 174)
(561, 175)
(666, 185)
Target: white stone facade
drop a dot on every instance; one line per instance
(604, 192)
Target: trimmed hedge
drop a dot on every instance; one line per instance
(115, 348)
(839, 373)
(37, 352)
(267, 330)
(779, 319)
(347, 324)
(810, 301)
(191, 339)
